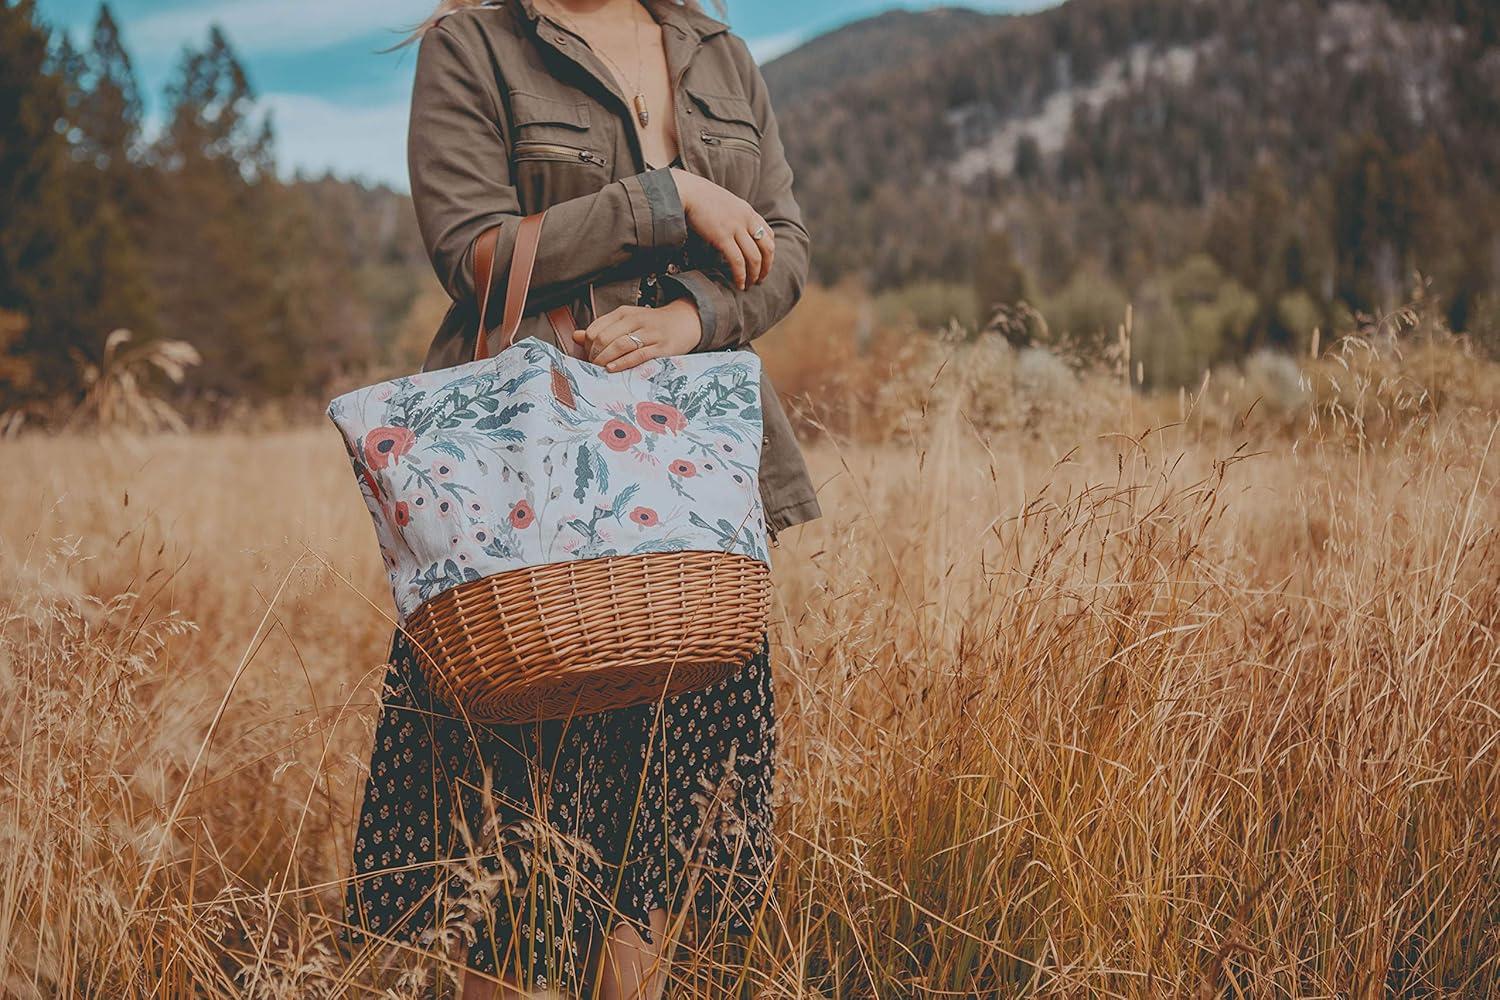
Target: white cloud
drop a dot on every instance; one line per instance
(314, 135)
(282, 26)
(769, 47)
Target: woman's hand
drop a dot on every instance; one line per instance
(631, 335)
(728, 224)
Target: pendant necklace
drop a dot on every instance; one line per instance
(638, 102)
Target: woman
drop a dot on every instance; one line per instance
(645, 128)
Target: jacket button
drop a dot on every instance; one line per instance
(672, 269)
(765, 439)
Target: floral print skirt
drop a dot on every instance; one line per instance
(525, 845)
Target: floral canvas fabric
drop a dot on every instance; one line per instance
(533, 457)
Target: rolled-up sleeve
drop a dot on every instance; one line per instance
(462, 186)
(656, 208)
(730, 317)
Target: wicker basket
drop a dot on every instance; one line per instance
(565, 639)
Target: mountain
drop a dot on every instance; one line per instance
(1238, 173)
(1322, 149)
(869, 47)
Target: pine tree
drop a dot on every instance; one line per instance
(39, 270)
(111, 115)
(212, 114)
(213, 263)
(1377, 202)
(104, 131)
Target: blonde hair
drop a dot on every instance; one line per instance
(447, 7)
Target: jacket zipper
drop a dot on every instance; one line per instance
(557, 151)
(730, 141)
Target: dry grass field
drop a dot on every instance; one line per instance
(1082, 693)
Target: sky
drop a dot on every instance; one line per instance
(338, 103)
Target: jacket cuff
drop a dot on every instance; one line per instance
(656, 208)
(713, 312)
(796, 512)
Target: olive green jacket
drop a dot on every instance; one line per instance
(512, 113)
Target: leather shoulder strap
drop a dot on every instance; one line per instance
(484, 278)
(518, 283)
(522, 261)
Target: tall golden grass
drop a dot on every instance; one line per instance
(1081, 693)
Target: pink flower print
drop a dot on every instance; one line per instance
(442, 470)
(402, 513)
(682, 467)
(522, 516)
(619, 435)
(645, 517)
(385, 445)
(659, 417)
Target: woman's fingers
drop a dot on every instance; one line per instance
(733, 256)
(751, 251)
(637, 356)
(729, 224)
(621, 344)
(604, 330)
(767, 244)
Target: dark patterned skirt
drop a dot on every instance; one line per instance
(526, 844)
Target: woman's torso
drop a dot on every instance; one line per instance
(570, 134)
(570, 127)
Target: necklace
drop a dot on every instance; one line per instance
(642, 112)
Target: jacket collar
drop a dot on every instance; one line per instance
(693, 23)
(688, 19)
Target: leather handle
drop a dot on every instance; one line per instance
(522, 263)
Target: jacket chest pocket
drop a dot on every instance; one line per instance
(726, 126)
(556, 153)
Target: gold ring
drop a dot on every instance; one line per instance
(639, 343)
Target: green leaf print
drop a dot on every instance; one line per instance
(583, 475)
(626, 495)
(601, 470)
(505, 416)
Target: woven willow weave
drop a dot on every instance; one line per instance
(565, 639)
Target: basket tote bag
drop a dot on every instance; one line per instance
(560, 539)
